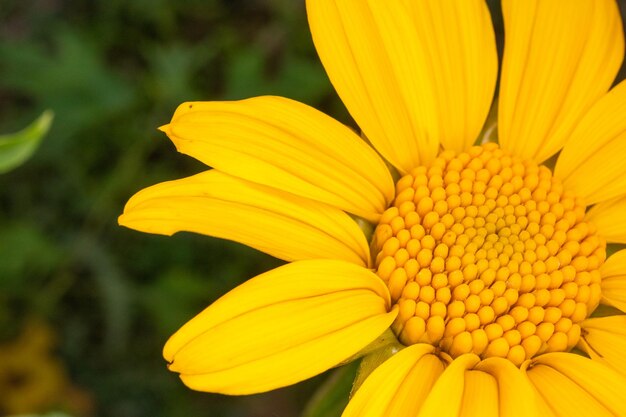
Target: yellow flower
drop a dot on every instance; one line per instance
(485, 264)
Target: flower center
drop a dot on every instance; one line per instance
(486, 253)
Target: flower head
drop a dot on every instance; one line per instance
(486, 262)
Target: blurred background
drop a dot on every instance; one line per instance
(85, 305)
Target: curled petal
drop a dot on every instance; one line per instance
(281, 224)
(263, 334)
(287, 145)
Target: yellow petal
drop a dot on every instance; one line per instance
(562, 395)
(286, 145)
(614, 280)
(398, 386)
(559, 58)
(459, 41)
(281, 327)
(410, 73)
(281, 224)
(577, 386)
(604, 340)
(480, 396)
(516, 395)
(610, 219)
(445, 398)
(543, 408)
(592, 162)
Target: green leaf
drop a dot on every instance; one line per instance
(16, 148)
(333, 395)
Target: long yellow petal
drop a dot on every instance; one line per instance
(286, 145)
(480, 396)
(263, 334)
(446, 397)
(563, 396)
(577, 386)
(411, 73)
(560, 56)
(614, 280)
(610, 219)
(543, 408)
(516, 395)
(462, 61)
(398, 386)
(604, 340)
(281, 224)
(592, 162)
(353, 52)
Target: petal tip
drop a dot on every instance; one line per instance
(121, 220)
(169, 351)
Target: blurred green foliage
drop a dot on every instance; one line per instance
(113, 71)
(331, 398)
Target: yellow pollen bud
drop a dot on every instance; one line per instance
(526, 329)
(462, 343)
(485, 253)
